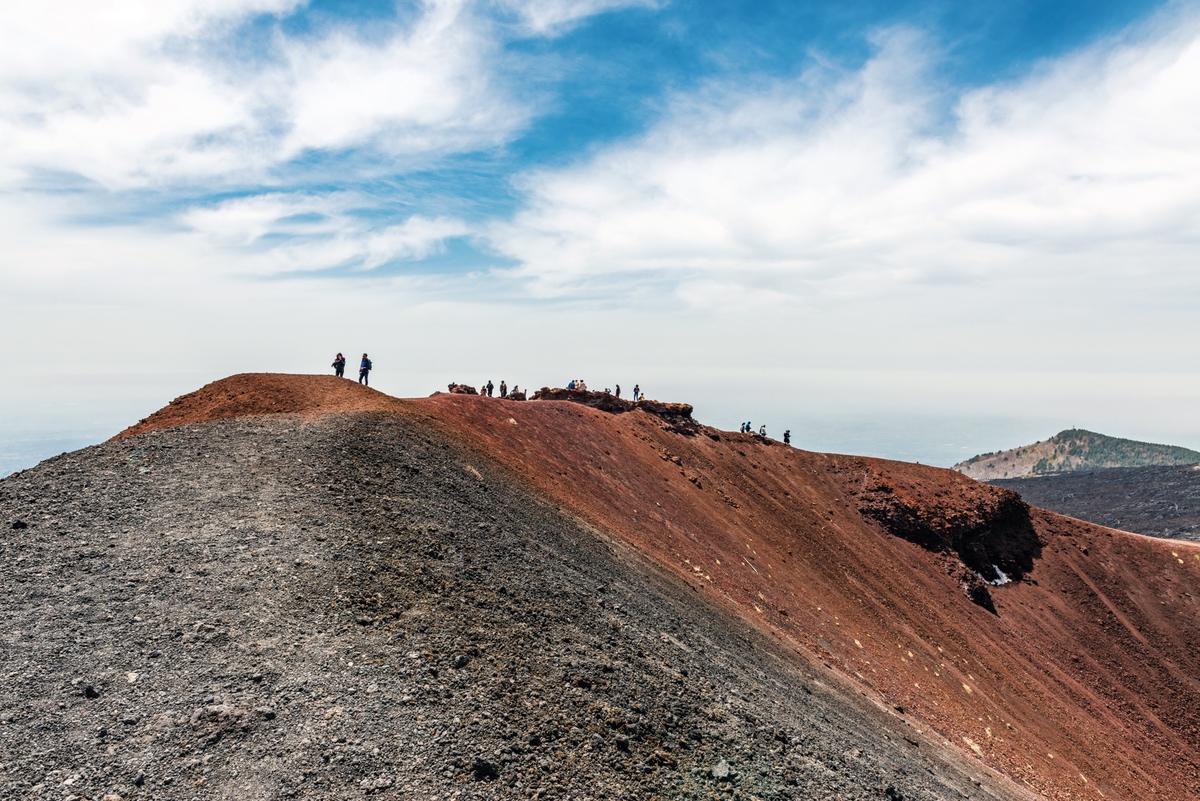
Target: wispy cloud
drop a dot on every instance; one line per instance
(550, 16)
(303, 233)
(151, 94)
(849, 184)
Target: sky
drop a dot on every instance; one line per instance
(919, 230)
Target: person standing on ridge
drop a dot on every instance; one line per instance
(762, 430)
(339, 366)
(787, 437)
(637, 393)
(364, 371)
(503, 389)
(618, 392)
(490, 387)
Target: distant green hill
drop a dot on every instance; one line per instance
(1074, 449)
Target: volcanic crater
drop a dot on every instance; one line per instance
(295, 586)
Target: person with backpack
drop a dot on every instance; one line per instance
(787, 437)
(339, 366)
(364, 371)
(490, 387)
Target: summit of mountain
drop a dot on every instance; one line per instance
(296, 586)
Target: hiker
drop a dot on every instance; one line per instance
(787, 437)
(637, 393)
(489, 388)
(364, 371)
(618, 393)
(762, 430)
(572, 384)
(339, 366)
(503, 389)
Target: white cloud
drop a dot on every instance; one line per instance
(145, 94)
(549, 16)
(280, 233)
(425, 90)
(850, 187)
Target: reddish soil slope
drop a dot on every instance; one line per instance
(1083, 683)
(250, 394)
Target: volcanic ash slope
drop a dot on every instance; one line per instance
(360, 604)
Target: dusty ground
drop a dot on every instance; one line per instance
(353, 606)
(1081, 678)
(1155, 501)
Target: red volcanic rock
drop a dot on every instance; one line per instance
(679, 415)
(251, 394)
(462, 389)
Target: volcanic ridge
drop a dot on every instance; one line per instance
(298, 587)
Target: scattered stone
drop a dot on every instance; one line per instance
(485, 771)
(721, 771)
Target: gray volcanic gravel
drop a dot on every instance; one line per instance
(267, 608)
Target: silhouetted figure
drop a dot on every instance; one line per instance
(618, 392)
(339, 366)
(787, 437)
(503, 389)
(489, 388)
(637, 393)
(364, 371)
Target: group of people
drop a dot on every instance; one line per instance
(364, 368)
(581, 385)
(762, 432)
(364, 373)
(487, 389)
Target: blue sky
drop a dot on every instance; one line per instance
(963, 224)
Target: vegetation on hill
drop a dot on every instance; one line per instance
(1074, 449)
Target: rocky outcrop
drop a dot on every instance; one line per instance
(989, 540)
(462, 389)
(677, 415)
